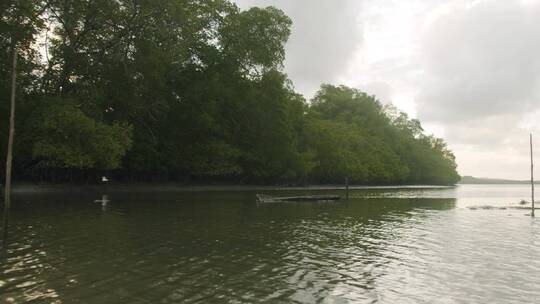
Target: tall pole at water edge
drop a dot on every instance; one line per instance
(532, 176)
(9, 158)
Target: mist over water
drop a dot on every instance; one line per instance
(383, 245)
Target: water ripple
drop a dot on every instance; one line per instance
(226, 249)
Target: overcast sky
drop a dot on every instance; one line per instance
(468, 69)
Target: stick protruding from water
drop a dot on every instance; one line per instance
(532, 176)
(347, 188)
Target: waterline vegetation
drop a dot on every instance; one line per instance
(192, 91)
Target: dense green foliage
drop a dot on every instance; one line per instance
(193, 91)
(65, 137)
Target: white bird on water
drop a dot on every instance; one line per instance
(104, 197)
(104, 200)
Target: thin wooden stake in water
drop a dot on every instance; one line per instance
(346, 188)
(532, 176)
(9, 158)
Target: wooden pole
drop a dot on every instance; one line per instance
(9, 158)
(346, 187)
(532, 176)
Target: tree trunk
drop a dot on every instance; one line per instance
(9, 158)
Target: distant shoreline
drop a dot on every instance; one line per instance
(470, 180)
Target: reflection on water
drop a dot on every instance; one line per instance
(218, 247)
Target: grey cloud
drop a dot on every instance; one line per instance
(481, 77)
(491, 146)
(481, 61)
(325, 34)
(488, 133)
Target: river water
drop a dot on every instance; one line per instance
(381, 246)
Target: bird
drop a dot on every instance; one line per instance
(104, 200)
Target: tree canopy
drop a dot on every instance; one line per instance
(192, 91)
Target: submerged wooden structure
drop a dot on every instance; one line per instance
(263, 198)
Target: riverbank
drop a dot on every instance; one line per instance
(177, 187)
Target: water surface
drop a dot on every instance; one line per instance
(408, 245)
